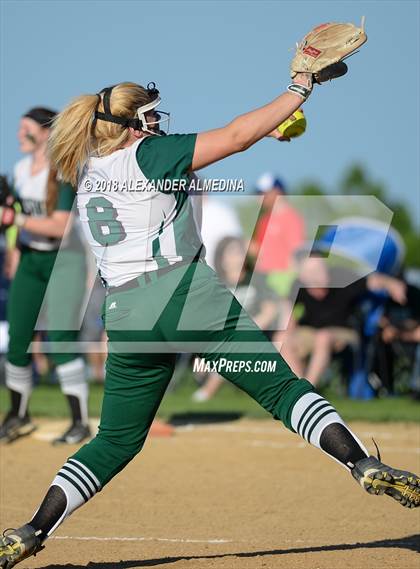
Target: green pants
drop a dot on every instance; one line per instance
(186, 309)
(27, 292)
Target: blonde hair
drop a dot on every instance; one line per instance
(75, 135)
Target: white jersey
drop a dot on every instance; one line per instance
(131, 226)
(32, 193)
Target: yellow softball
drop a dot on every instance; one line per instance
(294, 126)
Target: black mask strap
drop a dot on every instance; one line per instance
(109, 117)
(107, 99)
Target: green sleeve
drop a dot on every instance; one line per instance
(66, 195)
(166, 157)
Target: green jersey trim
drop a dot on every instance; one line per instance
(66, 196)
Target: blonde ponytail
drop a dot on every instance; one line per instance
(69, 144)
(75, 136)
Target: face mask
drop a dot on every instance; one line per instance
(140, 122)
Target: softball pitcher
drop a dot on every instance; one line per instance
(46, 204)
(163, 298)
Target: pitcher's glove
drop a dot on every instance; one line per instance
(323, 49)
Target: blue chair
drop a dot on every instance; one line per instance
(369, 245)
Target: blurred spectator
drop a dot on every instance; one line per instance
(4, 285)
(219, 220)
(33, 254)
(325, 323)
(279, 231)
(260, 302)
(397, 345)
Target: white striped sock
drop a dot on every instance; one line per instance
(72, 378)
(311, 414)
(78, 483)
(19, 379)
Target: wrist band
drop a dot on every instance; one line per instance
(20, 219)
(300, 90)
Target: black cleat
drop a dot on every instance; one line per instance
(77, 433)
(15, 427)
(378, 478)
(18, 545)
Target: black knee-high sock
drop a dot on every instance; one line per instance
(72, 487)
(50, 511)
(337, 441)
(19, 383)
(316, 420)
(16, 402)
(75, 408)
(72, 378)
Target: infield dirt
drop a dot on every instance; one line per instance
(240, 495)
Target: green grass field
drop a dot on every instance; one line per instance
(47, 401)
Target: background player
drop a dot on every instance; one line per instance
(150, 256)
(45, 220)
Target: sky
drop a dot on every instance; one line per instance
(213, 60)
